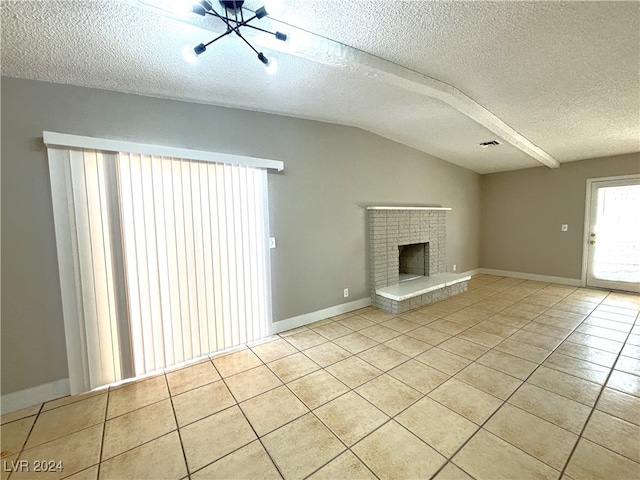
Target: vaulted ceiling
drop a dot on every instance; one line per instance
(553, 82)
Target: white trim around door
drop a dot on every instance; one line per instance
(588, 227)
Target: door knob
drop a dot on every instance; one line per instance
(593, 234)
(592, 242)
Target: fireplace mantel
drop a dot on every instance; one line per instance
(409, 208)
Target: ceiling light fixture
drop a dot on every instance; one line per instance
(233, 17)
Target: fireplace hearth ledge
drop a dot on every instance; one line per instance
(419, 286)
(446, 209)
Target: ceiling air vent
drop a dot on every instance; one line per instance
(490, 143)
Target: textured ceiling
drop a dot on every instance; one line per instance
(552, 81)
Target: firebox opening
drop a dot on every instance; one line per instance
(413, 261)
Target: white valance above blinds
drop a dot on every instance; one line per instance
(65, 140)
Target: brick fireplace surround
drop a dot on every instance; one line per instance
(390, 227)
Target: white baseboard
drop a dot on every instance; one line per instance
(300, 320)
(572, 282)
(471, 273)
(34, 395)
(61, 388)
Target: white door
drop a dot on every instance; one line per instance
(613, 233)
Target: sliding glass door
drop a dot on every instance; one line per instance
(161, 259)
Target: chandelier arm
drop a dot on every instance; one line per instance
(228, 21)
(247, 42)
(218, 38)
(245, 22)
(261, 29)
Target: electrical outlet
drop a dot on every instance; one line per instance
(455, 267)
(346, 292)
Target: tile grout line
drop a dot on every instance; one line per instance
(481, 345)
(146, 442)
(351, 389)
(258, 438)
(175, 418)
(593, 409)
(490, 349)
(410, 357)
(310, 411)
(586, 316)
(331, 341)
(497, 293)
(472, 361)
(104, 432)
(26, 439)
(561, 342)
(40, 412)
(236, 404)
(164, 434)
(449, 460)
(347, 448)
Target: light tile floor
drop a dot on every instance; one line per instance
(512, 379)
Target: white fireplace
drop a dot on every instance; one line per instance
(407, 252)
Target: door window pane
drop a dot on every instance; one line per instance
(617, 247)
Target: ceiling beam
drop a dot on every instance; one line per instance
(329, 52)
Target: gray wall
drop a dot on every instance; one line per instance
(524, 209)
(317, 204)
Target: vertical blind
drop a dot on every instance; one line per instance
(162, 260)
(194, 248)
(82, 208)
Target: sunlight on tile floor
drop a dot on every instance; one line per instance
(512, 379)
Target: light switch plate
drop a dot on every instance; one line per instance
(272, 242)
(564, 227)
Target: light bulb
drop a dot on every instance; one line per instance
(271, 67)
(189, 55)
